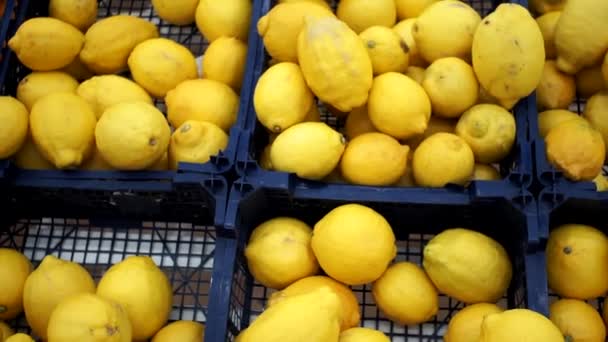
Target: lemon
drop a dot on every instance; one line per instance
(340, 236)
(176, 12)
(576, 257)
(363, 335)
(280, 27)
(361, 14)
(451, 86)
(39, 84)
(86, 317)
(601, 182)
(44, 44)
(489, 130)
(132, 135)
(102, 92)
(415, 73)
(63, 128)
(360, 161)
(160, 64)
(281, 98)
(590, 81)
(448, 18)
(196, 142)
(77, 70)
(405, 294)
(225, 60)
(387, 51)
(577, 149)
(556, 90)
(14, 128)
(547, 23)
(577, 320)
(436, 125)
(404, 30)
(202, 100)
(186, 331)
(350, 305)
(595, 113)
(468, 266)
(110, 41)
(465, 325)
(14, 269)
(394, 114)
(78, 13)
(318, 2)
(5, 331)
(485, 172)
(441, 159)
(19, 338)
(518, 325)
(545, 6)
(412, 8)
(549, 119)
(223, 18)
(357, 123)
(309, 149)
(144, 292)
(279, 253)
(29, 157)
(53, 281)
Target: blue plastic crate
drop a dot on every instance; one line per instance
(12, 71)
(516, 169)
(238, 298)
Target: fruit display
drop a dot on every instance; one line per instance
(138, 98)
(366, 72)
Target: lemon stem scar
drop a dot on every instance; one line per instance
(153, 141)
(567, 250)
(568, 338)
(185, 128)
(3, 309)
(276, 128)
(371, 44)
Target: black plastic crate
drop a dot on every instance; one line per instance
(516, 169)
(415, 221)
(12, 71)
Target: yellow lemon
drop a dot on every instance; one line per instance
(160, 64)
(63, 128)
(465, 325)
(441, 159)
(19, 338)
(53, 281)
(39, 84)
(29, 157)
(309, 149)
(340, 236)
(556, 89)
(360, 161)
(577, 320)
(144, 292)
(596, 113)
(485, 172)
(280, 27)
(196, 142)
(363, 335)
(436, 125)
(590, 81)
(577, 256)
(14, 128)
(547, 23)
(577, 149)
(78, 13)
(186, 331)
(361, 14)
(223, 18)
(45, 44)
(102, 92)
(357, 123)
(323, 3)
(468, 266)
(14, 269)
(202, 100)
(601, 182)
(110, 41)
(281, 98)
(225, 60)
(386, 49)
(279, 253)
(451, 85)
(448, 18)
(86, 317)
(176, 12)
(5, 331)
(396, 115)
(350, 305)
(78, 70)
(404, 30)
(518, 325)
(405, 294)
(96, 162)
(549, 119)
(415, 73)
(489, 130)
(412, 8)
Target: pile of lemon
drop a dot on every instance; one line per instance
(433, 90)
(131, 302)
(74, 111)
(354, 245)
